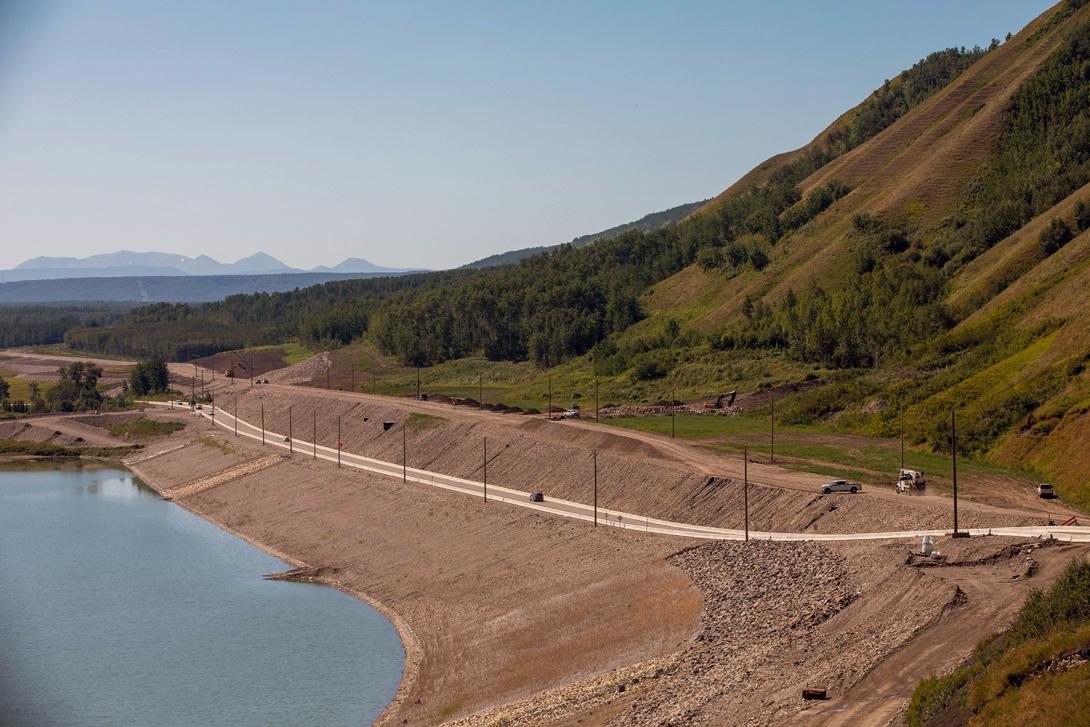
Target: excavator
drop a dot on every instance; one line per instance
(718, 404)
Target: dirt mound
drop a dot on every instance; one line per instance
(300, 373)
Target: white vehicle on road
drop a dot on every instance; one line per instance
(841, 486)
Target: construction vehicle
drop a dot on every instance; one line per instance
(572, 412)
(718, 403)
(909, 480)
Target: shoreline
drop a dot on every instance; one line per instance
(409, 642)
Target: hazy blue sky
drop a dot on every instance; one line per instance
(413, 133)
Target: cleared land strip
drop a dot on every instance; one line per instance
(231, 473)
(579, 511)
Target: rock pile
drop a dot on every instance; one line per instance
(762, 600)
(663, 409)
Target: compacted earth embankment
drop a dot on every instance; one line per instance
(531, 454)
(511, 617)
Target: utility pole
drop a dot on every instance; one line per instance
(745, 488)
(954, 460)
(340, 442)
(314, 433)
(773, 457)
(595, 456)
(262, 422)
(902, 440)
(480, 390)
(486, 469)
(549, 408)
(673, 413)
(291, 439)
(596, 401)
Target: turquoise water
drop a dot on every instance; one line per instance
(117, 608)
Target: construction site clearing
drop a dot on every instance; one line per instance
(513, 616)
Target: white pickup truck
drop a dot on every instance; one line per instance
(841, 486)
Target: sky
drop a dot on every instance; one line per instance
(418, 134)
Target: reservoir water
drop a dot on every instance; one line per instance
(118, 608)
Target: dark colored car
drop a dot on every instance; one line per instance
(537, 497)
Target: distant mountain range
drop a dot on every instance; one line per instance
(156, 264)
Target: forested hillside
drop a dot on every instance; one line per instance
(647, 223)
(927, 250)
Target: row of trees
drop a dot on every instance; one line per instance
(75, 390)
(38, 325)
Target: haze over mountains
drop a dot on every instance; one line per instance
(126, 263)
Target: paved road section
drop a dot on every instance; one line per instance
(579, 511)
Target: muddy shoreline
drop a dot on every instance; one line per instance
(409, 641)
